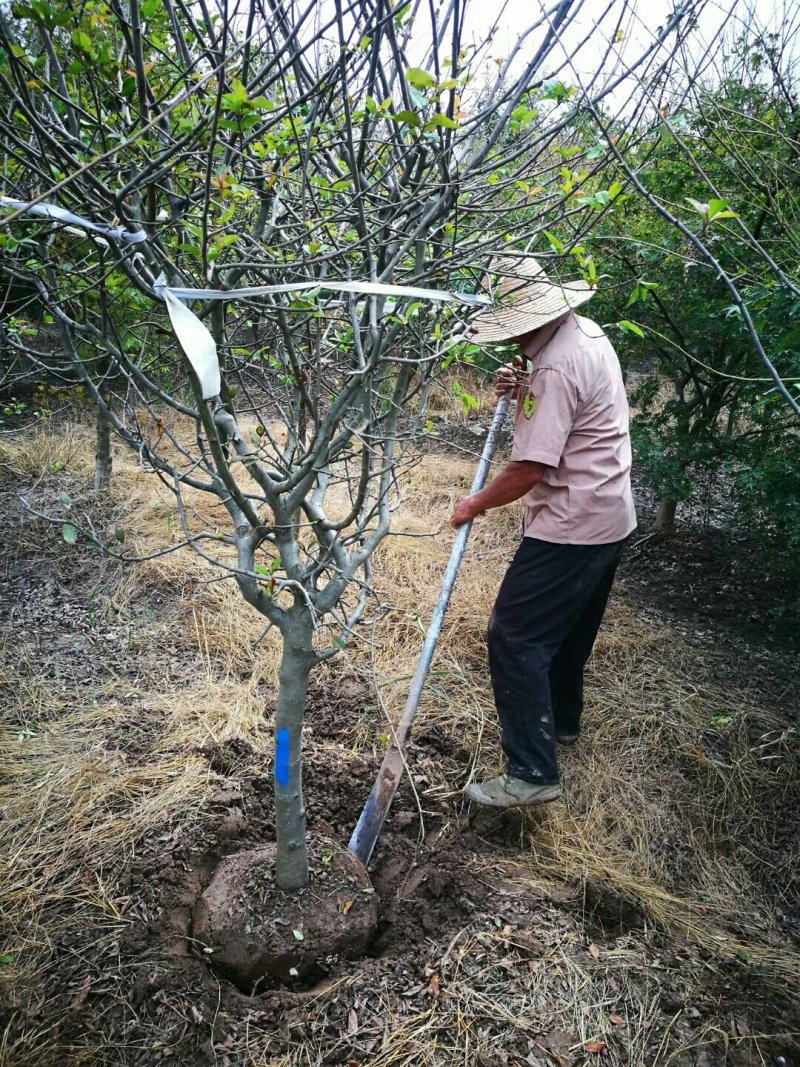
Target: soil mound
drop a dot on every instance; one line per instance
(258, 936)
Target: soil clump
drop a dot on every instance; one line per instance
(258, 936)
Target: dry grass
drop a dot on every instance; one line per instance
(444, 398)
(673, 798)
(47, 448)
(74, 805)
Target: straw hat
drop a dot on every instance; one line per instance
(524, 299)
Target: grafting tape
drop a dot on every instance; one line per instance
(193, 336)
(327, 284)
(60, 214)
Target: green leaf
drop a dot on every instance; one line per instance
(239, 90)
(696, 205)
(69, 533)
(219, 244)
(724, 215)
(226, 240)
(419, 78)
(441, 120)
(65, 499)
(715, 206)
(299, 935)
(555, 90)
(556, 244)
(409, 117)
(631, 327)
(6, 958)
(83, 43)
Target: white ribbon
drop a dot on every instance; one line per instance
(329, 285)
(194, 338)
(198, 344)
(60, 214)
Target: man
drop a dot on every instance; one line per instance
(571, 462)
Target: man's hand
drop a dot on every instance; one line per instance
(509, 377)
(464, 512)
(514, 481)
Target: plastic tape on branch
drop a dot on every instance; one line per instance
(60, 214)
(329, 285)
(199, 347)
(197, 343)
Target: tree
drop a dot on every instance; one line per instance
(723, 159)
(285, 144)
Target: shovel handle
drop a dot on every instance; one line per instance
(373, 816)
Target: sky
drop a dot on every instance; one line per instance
(597, 20)
(633, 24)
(642, 19)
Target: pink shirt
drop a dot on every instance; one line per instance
(573, 418)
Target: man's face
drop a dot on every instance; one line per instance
(524, 340)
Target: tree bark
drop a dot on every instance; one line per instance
(665, 517)
(290, 814)
(102, 455)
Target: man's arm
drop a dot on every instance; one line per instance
(513, 482)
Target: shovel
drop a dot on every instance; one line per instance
(370, 823)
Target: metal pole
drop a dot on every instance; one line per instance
(372, 818)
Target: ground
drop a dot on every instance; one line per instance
(652, 917)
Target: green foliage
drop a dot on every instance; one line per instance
(723, 417)
(420, 79)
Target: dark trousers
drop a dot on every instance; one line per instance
(541, 633)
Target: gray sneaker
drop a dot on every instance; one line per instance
(567, 739)
(509, 792)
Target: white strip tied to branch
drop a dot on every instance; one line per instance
(200, 348)
(193, 336)
(60, 214)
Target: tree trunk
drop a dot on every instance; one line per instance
(102, 455)
(665, 517)
(290, 814)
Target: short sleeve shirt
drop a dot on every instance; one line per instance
(572, 417)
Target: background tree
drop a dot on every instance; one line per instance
(724, 160)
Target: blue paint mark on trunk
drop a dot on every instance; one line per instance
(282, 773)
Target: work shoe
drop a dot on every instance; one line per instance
(509, 792)
(567, 739)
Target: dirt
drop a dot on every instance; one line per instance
(259, 937)
(448, 918)
(718, 578)
(459, 942)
